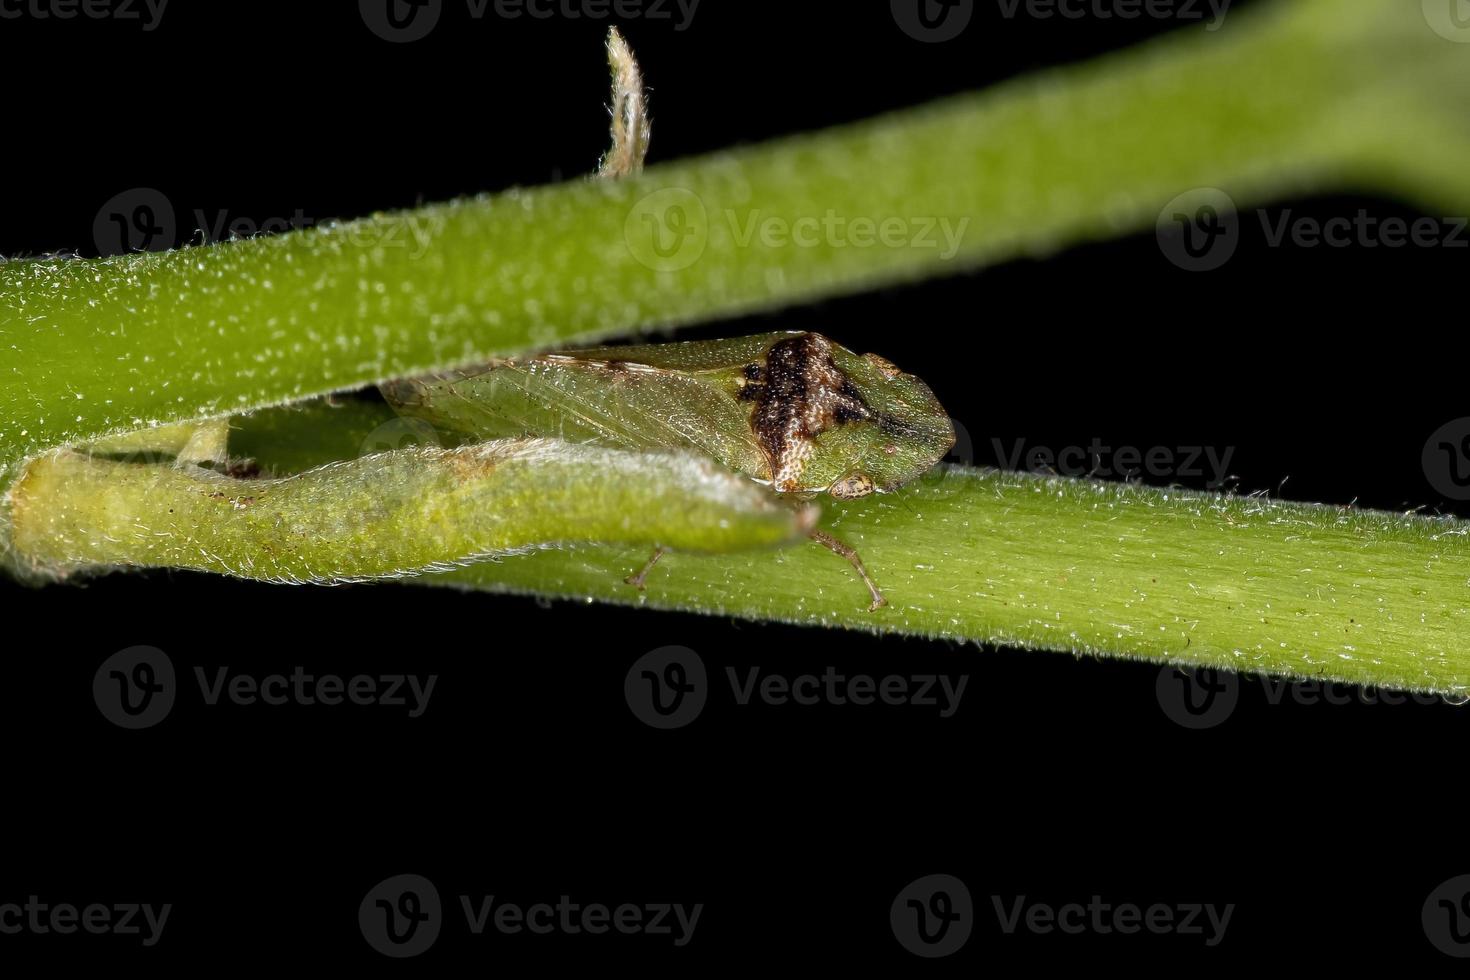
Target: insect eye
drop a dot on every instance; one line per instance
(886, 367)
(851, 486)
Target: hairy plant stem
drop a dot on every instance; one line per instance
(1244, 583)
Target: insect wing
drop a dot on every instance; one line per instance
(713, 357)
(619, 405)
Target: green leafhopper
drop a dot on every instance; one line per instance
(793, 410)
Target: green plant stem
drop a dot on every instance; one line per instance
(1244, 583)
(1293, 96)
(386, 515)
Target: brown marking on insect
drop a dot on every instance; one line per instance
(612, 365)
(801, 394)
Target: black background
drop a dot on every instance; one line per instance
(1324, 369)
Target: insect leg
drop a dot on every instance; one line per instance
(846, 551)
(637, 579)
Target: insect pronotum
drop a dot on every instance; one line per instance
(794, 411)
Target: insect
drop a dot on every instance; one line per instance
(792, 410)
